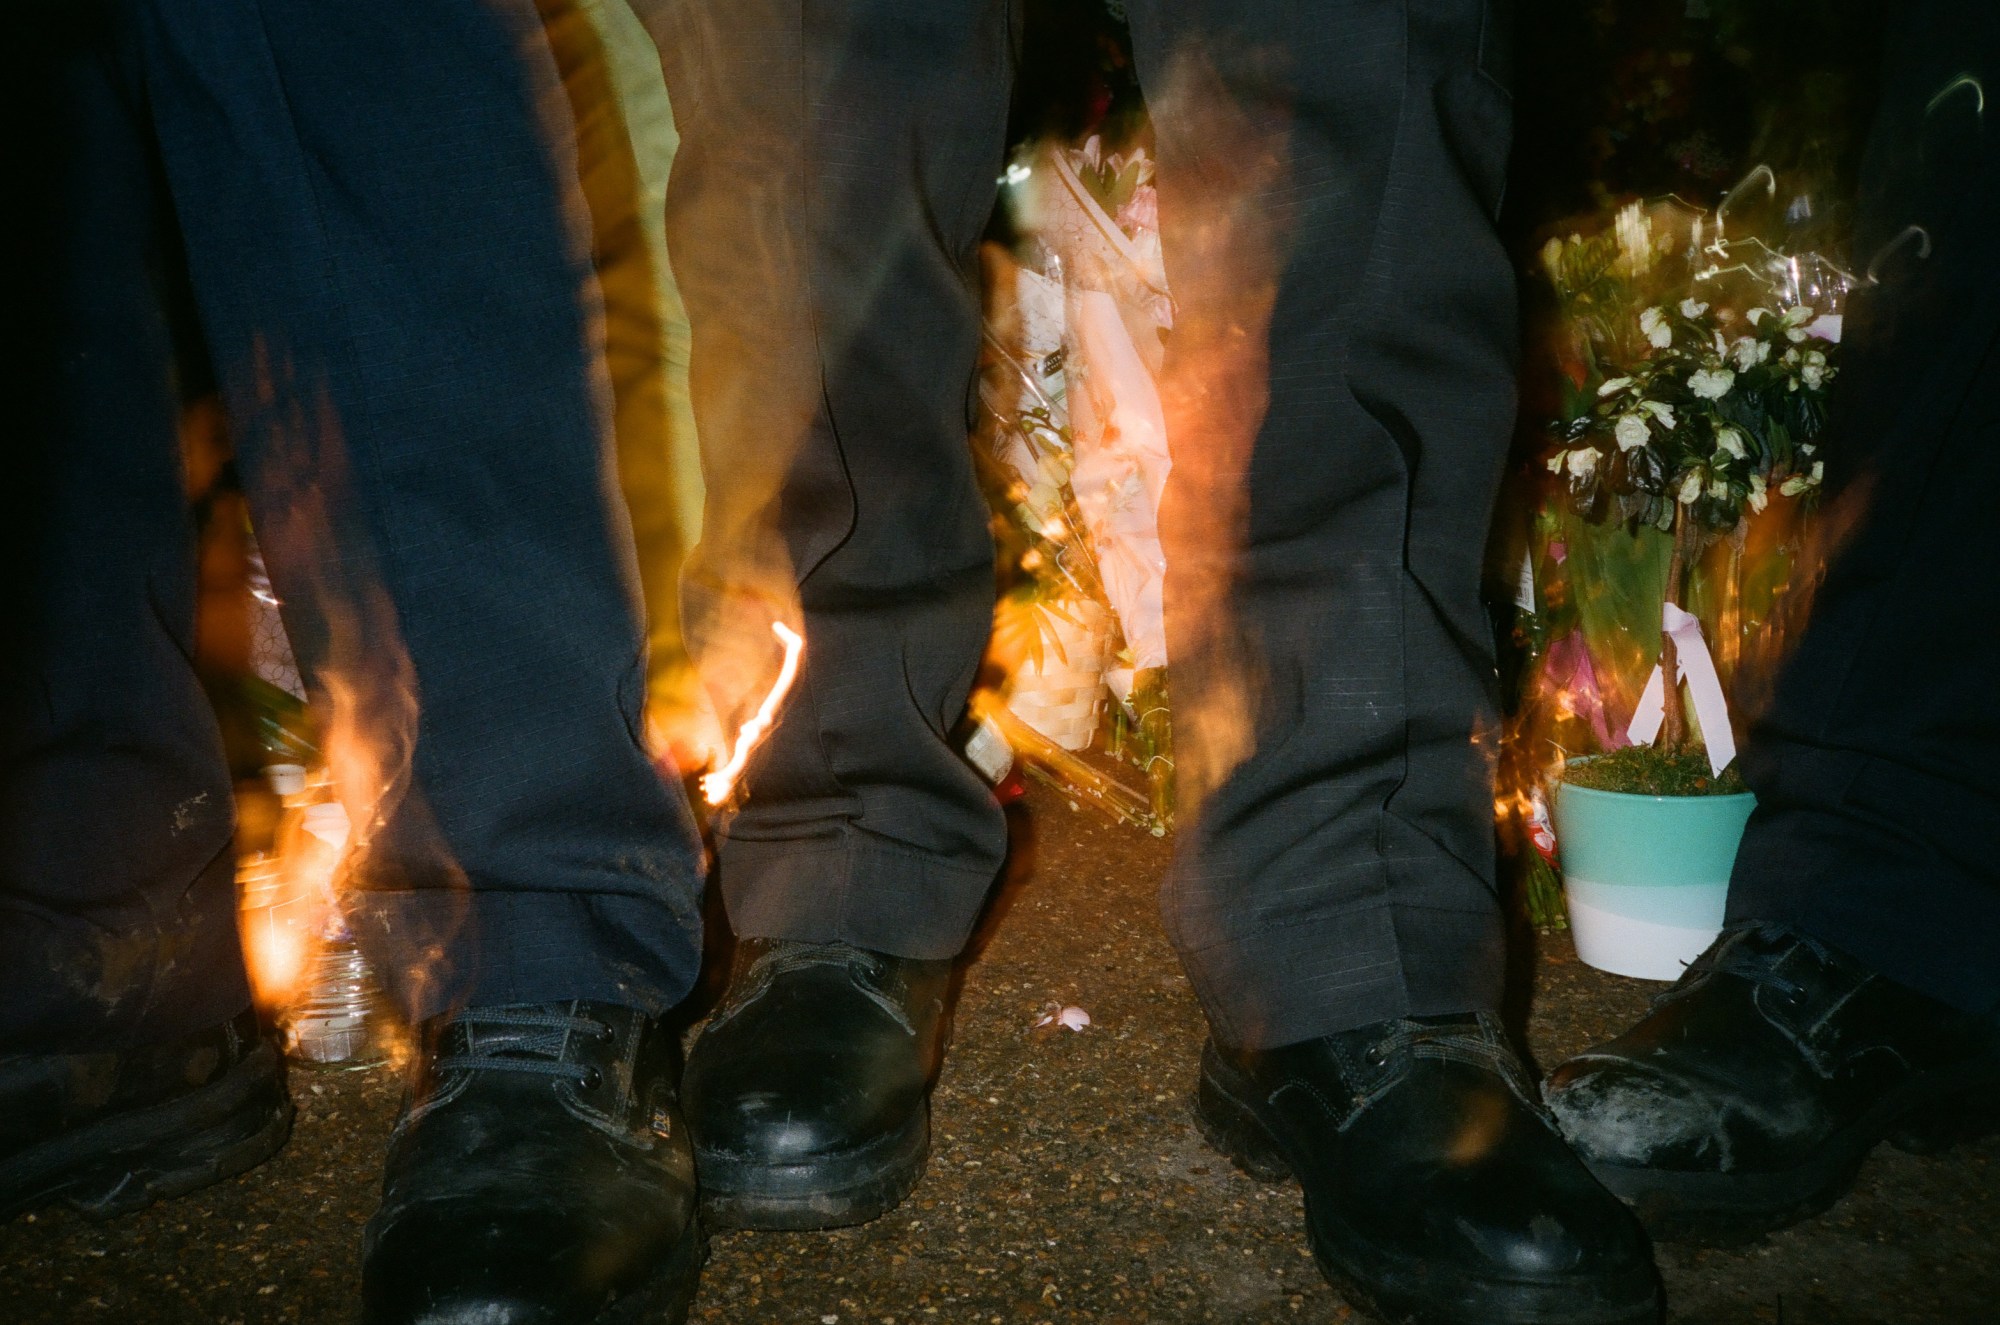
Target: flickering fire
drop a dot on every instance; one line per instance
(716, 785)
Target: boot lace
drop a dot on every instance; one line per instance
(535, 1038)
(1752, 951)
(1474, 1042)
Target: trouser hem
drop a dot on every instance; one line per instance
(1346, 970)
(852, 890)
(440, 950)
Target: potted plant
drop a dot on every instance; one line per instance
(1692, 410)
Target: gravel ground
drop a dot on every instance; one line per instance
(1066, 1183)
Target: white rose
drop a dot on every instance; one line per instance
(1615, 385)
(1552, 256)
(1690, 308)
(1798, 483)
(1748, 352)
(1718, 489)
(1729, 441)
(1582, 463)
(1711, 383)
(1690, 488)
(1653, 324)
(1758, 499)
(1813, 375)
(1631, 432)
(1661, 411)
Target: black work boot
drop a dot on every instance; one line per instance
(539, 1173)
(113, 1132)
(808, 1092)
(1437, 1192)
(1747, 1098)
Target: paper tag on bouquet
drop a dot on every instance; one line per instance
(1697, 668)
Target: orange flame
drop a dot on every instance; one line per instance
(716, 786)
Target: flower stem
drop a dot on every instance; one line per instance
(1674, 726)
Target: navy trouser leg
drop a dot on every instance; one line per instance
(117, 902)
(1878, 818)
(390, 253)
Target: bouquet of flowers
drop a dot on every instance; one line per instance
(1075, 458)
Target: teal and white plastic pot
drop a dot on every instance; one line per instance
(1646, 877)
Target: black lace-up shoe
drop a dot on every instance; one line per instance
(808, 1092)
(539, 1173)
(1437, 1192)
(1747, 1098)
(111, 1133)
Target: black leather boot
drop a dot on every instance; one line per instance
(113, 1132)
(808, 1092)
(540, 1172)
(1437, 1192)
(1747, 1098)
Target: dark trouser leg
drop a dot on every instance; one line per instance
(1341, 381)
(837, 166)
(390, 251)
(1878, 819)
(117, 906)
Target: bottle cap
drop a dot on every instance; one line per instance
(285, 779)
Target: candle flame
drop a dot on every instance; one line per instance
(716, 786)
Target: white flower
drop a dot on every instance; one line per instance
(1796, 334)
(1690, 487)
(1757, 315)
(1757, 497)
(1798, 315)
(1556, 462)
(1748, 352)
(1653, 325)
(1616, 384)
(1813, 375)
(1798, 483)
(1711, 383)
(1552, 257)
(1690, 308)
(1631, 432)
(1728, 441)
(1661, 411)
(1718, 489)
(1582, 462)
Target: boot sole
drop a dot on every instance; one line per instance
(1229, 1123)
(838, 1191)
(1731, 1209)
(126, 1162)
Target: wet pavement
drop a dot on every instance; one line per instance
(1066, 1184)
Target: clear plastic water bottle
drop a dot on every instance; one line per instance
(303, 957)
(336, 1017)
